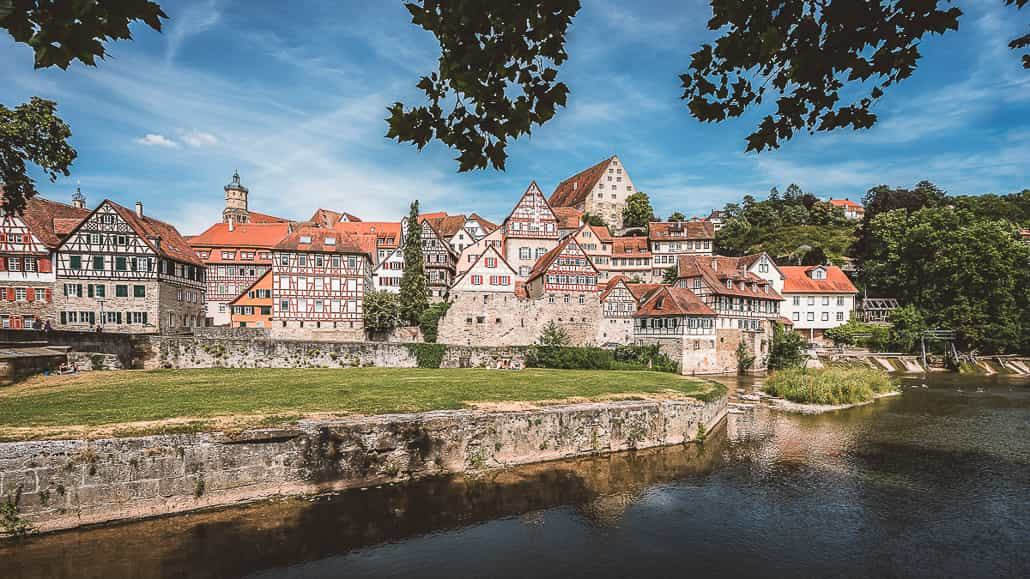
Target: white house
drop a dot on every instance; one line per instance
(817, 298)
(489, 273)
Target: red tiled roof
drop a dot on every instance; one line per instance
(51, 221)
(846, 203)
(255, 217)
(568, 217)
(785, 321)
(258, 235)
(602, 233)
(797, 279)
(673, 301)
(574, 190)
(162, 238)
(448, 226)
(544, 263)
(487, 225)
(435, 215)
(264, 280)
(716, 270)
(630, 246)
(385, 230)
(681, 230)
(639, 291)
(345, 242)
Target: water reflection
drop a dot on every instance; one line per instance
(932, 483)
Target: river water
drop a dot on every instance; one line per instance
(934, 483)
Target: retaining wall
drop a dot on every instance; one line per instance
(69, 483)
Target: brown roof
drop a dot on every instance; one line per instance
(487, 225)
(797, 279)
(574, 190)
(51, 221)
(568, 217)
(681, 230)
(255, 217)
(602, 233)
(448, 226)
(162, 238)
(329, 218)
(259, 235)
(630, 246)
(639, 291)
(717, 269)
(388, 231)
(673, 301)
(544, 263)
(345, 242)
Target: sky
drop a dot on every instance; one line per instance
(294, 95)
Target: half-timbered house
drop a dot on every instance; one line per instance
(530, 231)
(631, 257)
(683, 327)
(236, 255)
(253, 307)
(28, 243)
(489, 273)
(671, 239)
(319, 279)
(596, 242)
(563, 273)
(470, 254)
(128, 272)
(388, 234)
(619, 301)
(438, 261)
(387, 274)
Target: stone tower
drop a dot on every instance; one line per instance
(78, 199)
(235, 201)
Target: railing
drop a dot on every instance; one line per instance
(677, 331)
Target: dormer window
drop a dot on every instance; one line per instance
(658, 303)
(330, 241)
(818, 273)
(729, 284)
(305, 239)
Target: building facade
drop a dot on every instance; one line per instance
(683, 327)
(817, 298)
(600, 190)
(596, 242)
(490, 273)
(530, 231)
(671, 239)
(851, 209)
(438, 261)
(563, 273)
(253, 307)
(128, 272)
(619, 302)
(631, 257)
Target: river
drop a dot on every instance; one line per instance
(934, 483)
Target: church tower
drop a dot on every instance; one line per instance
(78, 199)
(235, 201)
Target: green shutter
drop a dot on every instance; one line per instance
(64, 317)
(89, 289)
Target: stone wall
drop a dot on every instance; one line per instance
(726, 342)
(69, 483)
(256, 352)
(483, 319)
(128, 348)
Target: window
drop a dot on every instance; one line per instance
(811, 316)
(491, 262)
(305, 239)
(525, 253)
(330, 241)
(284, 260)
(121, 291)
(826, 316)
(352, 262)
(139, 291)
(477, 280)
(840, 316)
(75, 261)
(811, 300)
(336, 261)
(284, 305)
(840, 300)
(119, 264)
(302, 260)
(319, 261)
(99, 290)
(20, 294)
(826, 300)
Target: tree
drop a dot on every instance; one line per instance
(907, 327)
(58, 33)
(414, 295)
(670, 275)
(745, 359)
(787, 349)
(429, 321)
(380, 311)
(595, 220)
(553, 335)
(823, 64)
(32, 133)
(638, 211)
(677, 216)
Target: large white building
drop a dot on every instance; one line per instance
(601, 190)
(817, 298)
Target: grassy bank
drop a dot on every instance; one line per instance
(142, 402)
(834, 386)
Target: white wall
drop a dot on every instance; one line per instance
(815, 304)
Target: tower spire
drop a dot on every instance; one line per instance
(78, 199)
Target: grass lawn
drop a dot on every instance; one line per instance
(138, 402)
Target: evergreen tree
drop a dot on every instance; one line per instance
(553, 335)
(414, 296)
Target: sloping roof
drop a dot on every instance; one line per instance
(259, 235)
(717, 269)
(639, 291)
(344, 242)
(681, 230)
(264, 278)
(568, 217)
(487, 225)
(329, 218)
(673, 301)
(255, 217)
(846, 203)
(162, 238)
(50, 220)
(448, 226)
(544, 263)
(602, 233)
(488, 249)
(434, 215)
(574, 190)
(797, 279)
(630, 246)
(385, 230)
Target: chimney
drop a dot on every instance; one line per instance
(715, 264)
(139, 209)
(232, 224)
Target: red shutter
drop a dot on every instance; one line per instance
(3, 263)
(44, 265)
(10, 294)
(16, 322)
(30, 294)
(49, 296)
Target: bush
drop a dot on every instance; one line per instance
(553, 335)
(853, 333)
(745, 359)
(427, 355)
(829, 386)
(381, 311)
(622, 358)
(429, 321)
(787, 349)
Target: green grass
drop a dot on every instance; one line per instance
(189, 400)
(834, 386)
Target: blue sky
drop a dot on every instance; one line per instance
(294, 94)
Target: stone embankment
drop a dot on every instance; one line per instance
(68, 483)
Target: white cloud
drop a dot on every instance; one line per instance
(197, 138)
(190, 21)
(156, 140)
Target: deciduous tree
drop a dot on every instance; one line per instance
(638, 211)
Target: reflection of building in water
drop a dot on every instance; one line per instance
(607, 510)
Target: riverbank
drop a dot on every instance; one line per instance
(809, 409)
(69, 483)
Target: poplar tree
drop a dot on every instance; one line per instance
(414, 297)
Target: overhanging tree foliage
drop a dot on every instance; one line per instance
(58, 33)
(414, 295)
(380, 311)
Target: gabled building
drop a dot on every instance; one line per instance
(596, 242)
(470, 254)
(28, 245)
(319, 280)
(253, 307)
(570, 220)
(670, 239)
(490, 273)
(530, 231)
(438, 261)
(236, 255)
(631, 257)
(128, 272)
(818, 298)
(388, 234)
(683, 326)
(599, 190)
(387, 273)
(329, 218)
(619, 301)
(563, 273)
(851, 209)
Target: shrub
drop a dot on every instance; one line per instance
(553, 335)
(381, 311)
(745, 359)
(11, 521)
(853, 333)
(622, 358)
(429, 321)
(829, 385)
(787, 349)
(427, 355)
